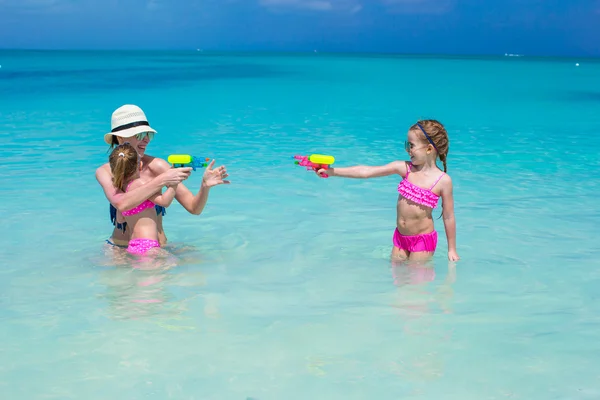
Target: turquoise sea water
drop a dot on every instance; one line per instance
(282, 288)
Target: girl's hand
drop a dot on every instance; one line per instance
(326, 171)
(213, 177)
(453, 256)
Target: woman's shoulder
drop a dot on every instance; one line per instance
(156, 165)
(104, 176)
(103, 169)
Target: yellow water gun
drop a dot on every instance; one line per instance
(186, 160)
(315, 162)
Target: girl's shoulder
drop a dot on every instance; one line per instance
(445, 181)
(133, 184)
(444, 175)
(403, 167)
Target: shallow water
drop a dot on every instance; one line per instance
(283, 287)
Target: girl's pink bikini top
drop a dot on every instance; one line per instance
(145, 204)
(412, 192)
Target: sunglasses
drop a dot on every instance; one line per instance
(409, 146)
(141, 136)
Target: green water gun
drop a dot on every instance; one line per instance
(186, 160)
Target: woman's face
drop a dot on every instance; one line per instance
(139, 141)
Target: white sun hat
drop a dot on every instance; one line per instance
(127, 121)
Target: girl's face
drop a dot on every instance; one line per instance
(416, 147)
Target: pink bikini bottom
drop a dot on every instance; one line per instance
(141, 246)
(416, 243)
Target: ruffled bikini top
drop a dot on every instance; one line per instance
(141, 207)
(412, 192)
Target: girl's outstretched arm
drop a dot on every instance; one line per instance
(365, 171)
(448, 213)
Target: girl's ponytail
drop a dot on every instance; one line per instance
(123, 162)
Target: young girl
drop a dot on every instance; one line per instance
(422, 185)
(125, 167)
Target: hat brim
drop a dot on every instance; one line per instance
(126, 133)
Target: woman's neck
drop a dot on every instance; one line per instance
(145, 161)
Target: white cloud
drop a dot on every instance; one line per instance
(38, 6)
(29, 3)
(354, 6)
(418, 6)
(351, 6)
(153, 5)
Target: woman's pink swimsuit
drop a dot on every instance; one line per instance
(140, 246)
(426, 241)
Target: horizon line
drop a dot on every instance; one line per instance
(303, 52)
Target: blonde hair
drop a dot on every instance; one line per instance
(124, 163)
(433, 130)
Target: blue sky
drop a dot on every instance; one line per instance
(530, 27)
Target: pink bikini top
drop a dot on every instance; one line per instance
(412, 192)
(145, 204)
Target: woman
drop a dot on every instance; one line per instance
(129, 124)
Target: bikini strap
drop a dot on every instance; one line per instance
(408, 165)
(438, 179)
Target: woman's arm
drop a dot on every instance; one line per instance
(194, 204)
(448, 214)
(365, 171)
(124, 201)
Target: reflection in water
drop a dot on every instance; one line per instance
(414, 280)
(412, 272)
(138, 286)
(419, 301)
(134, 294)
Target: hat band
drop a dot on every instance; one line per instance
(130, 125)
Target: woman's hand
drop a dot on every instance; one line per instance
(213, 177)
